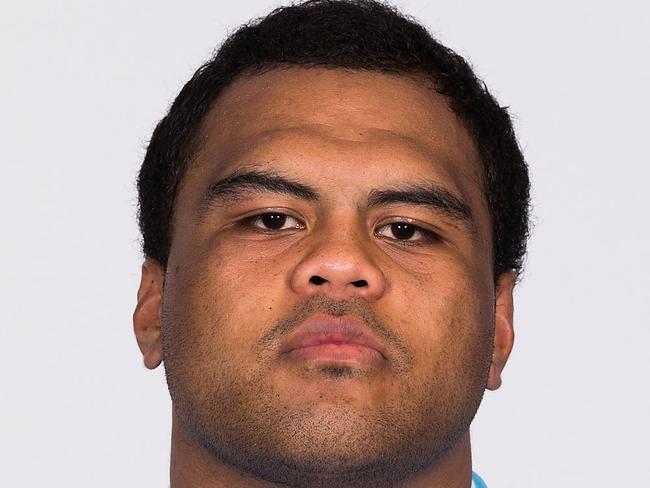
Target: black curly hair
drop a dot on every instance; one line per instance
(351, 34)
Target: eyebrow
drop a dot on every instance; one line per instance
(241, 183)
(436, 198)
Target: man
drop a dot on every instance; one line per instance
(334, 214)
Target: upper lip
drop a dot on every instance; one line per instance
(327, 329)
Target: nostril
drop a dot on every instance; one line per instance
(317, 280)
(360, 283)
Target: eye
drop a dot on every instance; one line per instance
(270, 221)
(404, 231)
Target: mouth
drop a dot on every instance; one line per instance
(343, 341)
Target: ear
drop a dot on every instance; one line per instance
(146, 317)
(504, 334)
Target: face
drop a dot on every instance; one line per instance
(328, 308)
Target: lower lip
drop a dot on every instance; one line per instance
(353, 354)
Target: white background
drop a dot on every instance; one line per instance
(82, 84)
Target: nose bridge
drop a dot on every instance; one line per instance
(338, 263)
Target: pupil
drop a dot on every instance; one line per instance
(402, 231)
(274, 221)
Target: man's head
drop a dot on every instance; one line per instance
(333, 175)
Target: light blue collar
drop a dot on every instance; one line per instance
(477, 482)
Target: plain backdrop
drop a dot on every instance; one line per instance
(82, 85)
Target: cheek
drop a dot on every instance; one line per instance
(446, 319)
(223, 299)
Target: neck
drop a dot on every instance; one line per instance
(193, 467)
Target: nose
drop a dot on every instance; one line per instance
(339, 267)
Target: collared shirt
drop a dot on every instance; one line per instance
(477, 482)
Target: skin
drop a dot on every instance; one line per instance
(231, 293)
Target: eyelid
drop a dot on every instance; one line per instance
(247, 220)
(408, 220)
(429, 233)
(271, 210)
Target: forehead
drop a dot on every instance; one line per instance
(335, 104)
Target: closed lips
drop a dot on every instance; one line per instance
(322, 330)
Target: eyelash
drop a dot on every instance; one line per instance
(428, 236)
(249, 222)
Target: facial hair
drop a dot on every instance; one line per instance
(244, 421)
